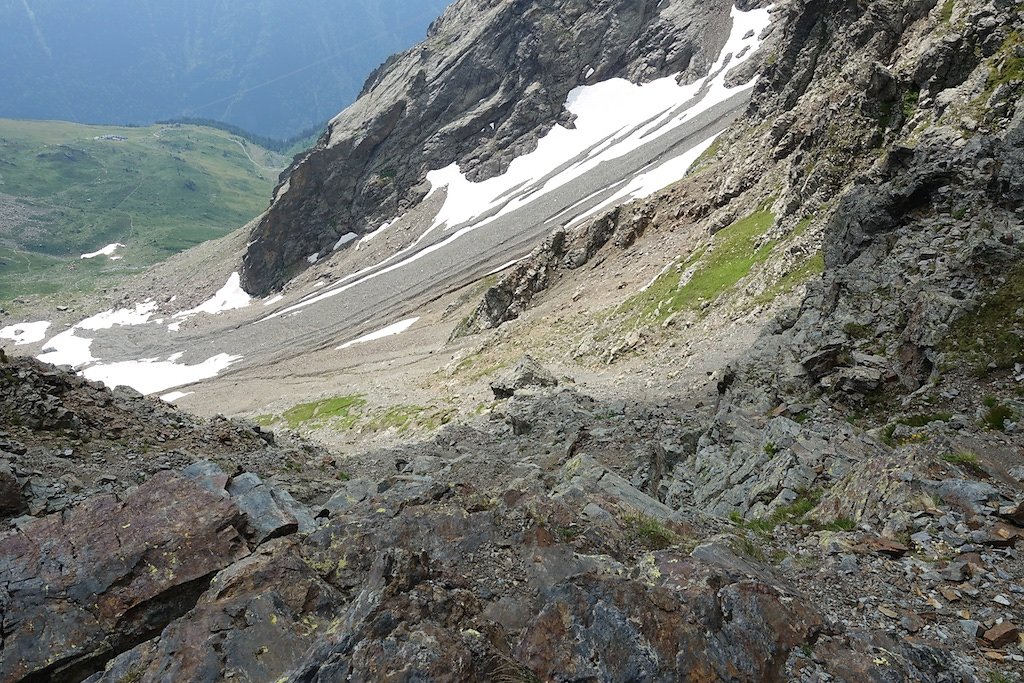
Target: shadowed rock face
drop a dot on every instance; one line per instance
(78, 587)
(510, 64)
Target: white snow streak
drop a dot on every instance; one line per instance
(151, 376)
(228, 298)
(388, 331)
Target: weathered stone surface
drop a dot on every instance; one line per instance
(81, 587)
(681, 620)
(264, 518)
(258, 617)
(1001, 635)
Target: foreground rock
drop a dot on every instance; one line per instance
(81, 587)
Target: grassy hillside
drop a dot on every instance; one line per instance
(68, 189)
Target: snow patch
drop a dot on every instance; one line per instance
(152, 376)
(613, 118)
(67, 348)
(126, 317)
(228, 298)
(384, 226)
(388, 331)
(105, 251)
(503, 267)
(175, 395)
(313, 258)
(656, 178)
(273, 300)
(25, 333)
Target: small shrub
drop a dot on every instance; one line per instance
(997, 415)
(770, 448)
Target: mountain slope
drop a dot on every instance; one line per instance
(270, 68)
(778, 436)
(477, 97)
(69, 190)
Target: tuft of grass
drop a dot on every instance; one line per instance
(771, 448)
(707, 156)
(910, 100)
(858, 331)
(795, 512)
(841, 524)
(946, 13)
(917, 420)
(654, 534)
(1006, 66)
(747, 546)
(967, 461)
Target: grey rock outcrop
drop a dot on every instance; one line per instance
(510, 64)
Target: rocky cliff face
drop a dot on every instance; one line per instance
(490, 79)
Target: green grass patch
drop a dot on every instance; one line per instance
(73, 189)
(404, 418)
(910, 100)
(1007, 65)
(794, 513)
(707, 156)
(343, 409)
(731, 255)
(806, 271)
(946, 13)
(988, 339)
(841, 524)
(343, 413)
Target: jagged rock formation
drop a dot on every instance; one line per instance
(510, 64)
(457, 568)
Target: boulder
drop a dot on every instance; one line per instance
(527, 372)
(79, 588)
